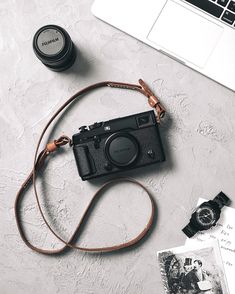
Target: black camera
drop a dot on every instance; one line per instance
(116, 145)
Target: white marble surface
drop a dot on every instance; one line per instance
(198, 135)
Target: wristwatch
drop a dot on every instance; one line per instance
(206, 215)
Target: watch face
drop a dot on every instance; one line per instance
(206, 216)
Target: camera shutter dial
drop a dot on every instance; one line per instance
(121, 149)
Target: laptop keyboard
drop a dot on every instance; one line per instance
(221, 9)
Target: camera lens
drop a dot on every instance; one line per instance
(121, 149)
(54, 47)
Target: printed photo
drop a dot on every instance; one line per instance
(196, 270)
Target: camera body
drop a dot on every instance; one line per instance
(116, 145)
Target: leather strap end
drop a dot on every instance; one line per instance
(152, 100)
(154, 103)
(63, 140)
(51, 147)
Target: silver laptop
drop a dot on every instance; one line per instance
(198, 33)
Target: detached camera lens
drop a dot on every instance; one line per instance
(54, 47)
(121, 149)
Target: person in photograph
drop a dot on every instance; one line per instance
(185, 280)
(191, 283)
(199, 271)
(174, 278)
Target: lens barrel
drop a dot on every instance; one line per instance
(54, 47)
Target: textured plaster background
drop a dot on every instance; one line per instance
(198, 135)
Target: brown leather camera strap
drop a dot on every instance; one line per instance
(39, 161)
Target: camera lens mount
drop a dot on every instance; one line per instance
(121, 149)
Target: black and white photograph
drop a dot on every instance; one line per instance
(192, 271)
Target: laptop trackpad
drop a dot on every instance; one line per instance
(185, 34)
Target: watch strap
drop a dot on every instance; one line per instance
(221, 199)
(190, 230)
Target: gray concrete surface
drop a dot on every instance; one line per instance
(198, 135)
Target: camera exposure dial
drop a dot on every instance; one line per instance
(95, 125)
(83, 129)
